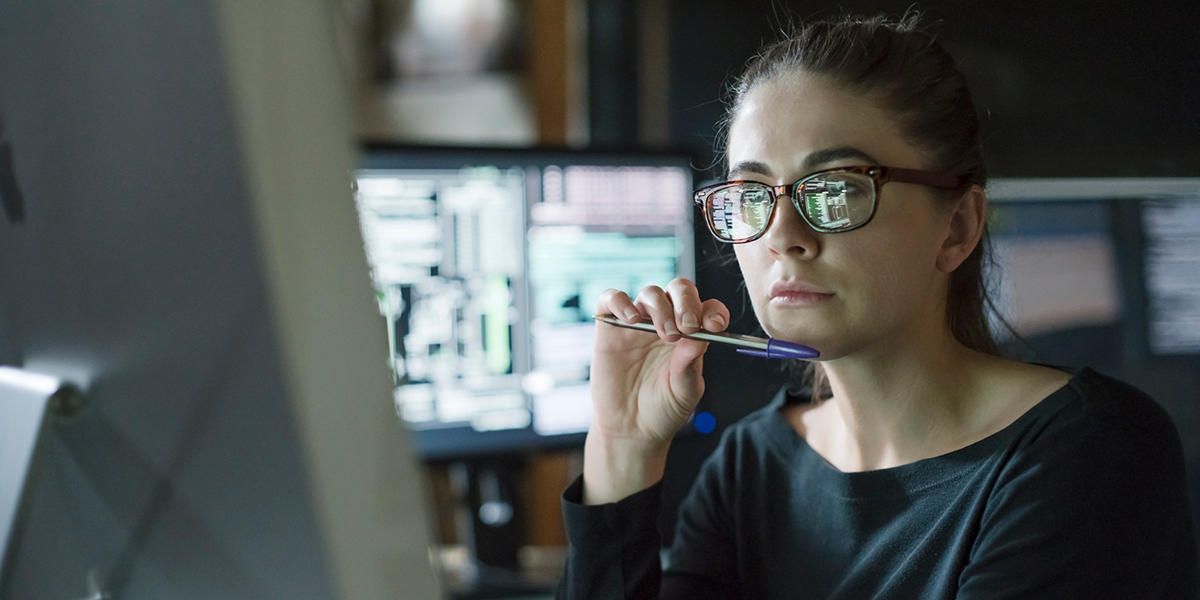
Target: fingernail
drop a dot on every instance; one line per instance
(720, 321)
(670, 328)
(690, 320)
(631, 315)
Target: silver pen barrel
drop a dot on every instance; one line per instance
(732, 339)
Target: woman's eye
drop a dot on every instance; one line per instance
(753, 195)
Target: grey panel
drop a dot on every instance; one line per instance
(134, 274)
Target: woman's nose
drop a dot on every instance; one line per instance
(788, 232)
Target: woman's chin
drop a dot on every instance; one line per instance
(798, 333)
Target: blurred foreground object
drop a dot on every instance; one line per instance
(189, 253)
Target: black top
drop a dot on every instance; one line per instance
(1083, 496)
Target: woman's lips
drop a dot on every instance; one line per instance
(797, 295)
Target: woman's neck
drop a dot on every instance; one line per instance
(892, 406)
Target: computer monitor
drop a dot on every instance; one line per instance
(488, 264)
(1101, 255)
(178, 240)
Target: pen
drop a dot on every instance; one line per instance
(754, 346)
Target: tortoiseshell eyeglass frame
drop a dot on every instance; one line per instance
(878, 174)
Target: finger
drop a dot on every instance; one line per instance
(686, 368)
(715, 315)
(618, 303)
(654, 302)
(686, 300)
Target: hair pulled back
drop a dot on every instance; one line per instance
(911, 76)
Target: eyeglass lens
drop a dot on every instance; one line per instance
(831, 202)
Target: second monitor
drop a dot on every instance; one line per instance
(488, 265)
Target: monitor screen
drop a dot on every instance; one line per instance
(1172, 274)
(488, 265)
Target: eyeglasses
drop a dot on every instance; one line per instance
(830, 201)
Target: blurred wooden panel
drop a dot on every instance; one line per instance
(549, 55)
(546, 477)
(445, 503)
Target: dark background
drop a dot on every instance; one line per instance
(1064, 89)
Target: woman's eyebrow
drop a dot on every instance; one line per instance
(811, 162)
(828, 155)
(749, 166)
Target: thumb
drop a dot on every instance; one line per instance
(686, 369)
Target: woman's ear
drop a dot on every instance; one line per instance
(966, 227)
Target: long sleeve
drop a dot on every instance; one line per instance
(613, 549)
(703, 561)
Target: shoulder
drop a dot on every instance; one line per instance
(1095, 403)
(1132, 431)
(1106, 397)
(1094, 476)
(1094, 436)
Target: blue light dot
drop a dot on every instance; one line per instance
(705, 422)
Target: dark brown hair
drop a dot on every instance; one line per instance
(915, 79)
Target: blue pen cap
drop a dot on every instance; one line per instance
(781, 349)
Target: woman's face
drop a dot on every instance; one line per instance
(842, 293)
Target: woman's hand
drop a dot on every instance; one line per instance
(644, 387)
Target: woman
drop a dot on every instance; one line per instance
(929, 467)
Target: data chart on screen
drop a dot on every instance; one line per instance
(487, 278)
